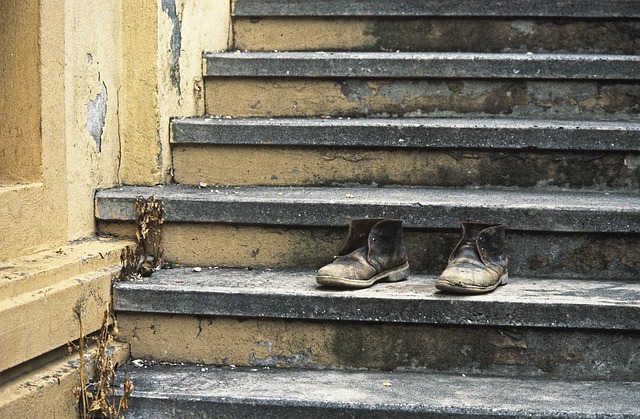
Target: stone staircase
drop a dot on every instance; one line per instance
(433, 113)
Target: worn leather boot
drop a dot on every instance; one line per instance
(374, 252)
(478, 263)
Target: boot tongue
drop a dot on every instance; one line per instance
(468, 246)
(471, 236)
(472, 233)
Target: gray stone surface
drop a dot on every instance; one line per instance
(555, 211)
(422, 65)
(507, 8)
(295, 295)
(478, 133)
(202, 392)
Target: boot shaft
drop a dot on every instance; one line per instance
(386, 245)
(488, 241)
(358, 234)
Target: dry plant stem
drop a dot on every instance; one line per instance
(81, 392)
(101, 394)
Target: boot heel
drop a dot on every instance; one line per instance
(504, 278)
(398, 275)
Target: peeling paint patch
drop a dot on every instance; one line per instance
(169, 7)
(96, 116)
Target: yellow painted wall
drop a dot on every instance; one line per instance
(19, 92)
(114, 74)
(93, 81)
(162, 44)
(35, 213)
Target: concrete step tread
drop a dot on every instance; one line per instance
(287, 294)
(46, 268)
(190, 390)
(475, 133)
(479, 8)
(527, 210)
(422, 65)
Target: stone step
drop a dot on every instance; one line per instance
(513, 8)
(275, 318)
(409, 151)
(39, 292)
(390, 65)
(42, 320)
(44, 269)
(193, 391)
(436, 133)
(550, 233)
(557, 210)
(485, 26)
(455, 33)
(535, 86)
(48, 391)
(525, 302)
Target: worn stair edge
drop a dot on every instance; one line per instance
(295, 295)
(481, 133)
(164, 391)
(481, 8)
(31, 272)
(557, 211)
(422, 65)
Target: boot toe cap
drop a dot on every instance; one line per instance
(470, 281)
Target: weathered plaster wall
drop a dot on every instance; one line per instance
(34, 214)
(19, 92)
(114, 74)
(93, 79)
(186, 29)
(162, 45)
(128, 75)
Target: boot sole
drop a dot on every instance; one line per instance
(391, 275)
(446, 286)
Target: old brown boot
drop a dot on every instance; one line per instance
(478, 263)
(374, 252)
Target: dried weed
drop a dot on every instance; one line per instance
(96, 396)
(147, 256)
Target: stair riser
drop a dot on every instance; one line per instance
(144, 406)
(437, 34)
(273, 97)
(280, 166)
(42, 320)
(521, 352)
(555, 255)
